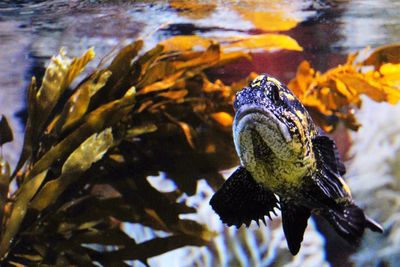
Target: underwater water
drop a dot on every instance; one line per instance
(32, 31)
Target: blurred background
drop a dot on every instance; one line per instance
(32, 31)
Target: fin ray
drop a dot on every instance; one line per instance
(326, 150)
(329, 168)
(241, 199)
(350, 223)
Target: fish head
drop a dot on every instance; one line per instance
(269, 121)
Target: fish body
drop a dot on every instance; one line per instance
(286, 162)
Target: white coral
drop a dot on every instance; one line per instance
(255, 246)
(374, 176)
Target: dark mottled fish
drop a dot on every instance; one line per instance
(283, 153)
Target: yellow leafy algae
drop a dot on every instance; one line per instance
(384, 54)
(90, 151)
(337, 91)
(269, 21)
(223, 118)
(77, 66)
(186, 42)
(266, 42)
(275, 16)
(263, 42)
(58, 76)
(79, 102)
(53, 83)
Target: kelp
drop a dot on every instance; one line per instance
(6, 134)
(90, 147)
(136, 117)
(334, 96)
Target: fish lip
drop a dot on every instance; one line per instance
(247, 110)
(253, 109)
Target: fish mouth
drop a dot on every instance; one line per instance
(251, 110)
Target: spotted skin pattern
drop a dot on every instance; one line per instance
(283, 153)
(262, 110)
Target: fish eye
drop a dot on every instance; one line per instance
(275, 94)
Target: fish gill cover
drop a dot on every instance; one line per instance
(89, 150)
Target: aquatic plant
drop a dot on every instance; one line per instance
(334, 96)
(90, 148)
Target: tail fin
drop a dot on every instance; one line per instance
(350, 223)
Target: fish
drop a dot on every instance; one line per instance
(286, 163)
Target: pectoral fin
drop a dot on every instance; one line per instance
(294, 221)
(241, 199)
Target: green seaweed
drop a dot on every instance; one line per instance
(84, 165)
